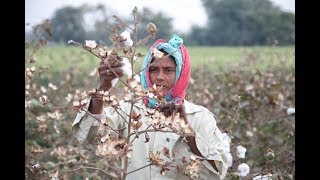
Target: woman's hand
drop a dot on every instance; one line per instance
(168, 110)
(107, 72)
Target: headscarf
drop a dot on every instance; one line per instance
(181, 56)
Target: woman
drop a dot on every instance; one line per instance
(166, 68)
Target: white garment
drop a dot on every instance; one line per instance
(208, 140)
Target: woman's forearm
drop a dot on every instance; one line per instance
(95, 106)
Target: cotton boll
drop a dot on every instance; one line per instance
(125, 35)
(128, 42)
(114, 81)
(90, 44)
(229, 159)
(243, 169)
(137, 78)
(126, 68)
(249, 134)
(241, 151)
(226, 137)
(290, 111)
(226, 146)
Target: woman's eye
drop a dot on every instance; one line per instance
(153, 69)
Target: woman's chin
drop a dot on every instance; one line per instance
(163, 91)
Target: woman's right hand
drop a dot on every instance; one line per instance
(107, 74)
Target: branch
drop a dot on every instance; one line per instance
(155, 130)
(122, 22)
(266, 170)
(85, 167)
(139, 168)
(144, 14)
(115, 130)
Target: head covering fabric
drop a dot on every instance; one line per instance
(181, 56)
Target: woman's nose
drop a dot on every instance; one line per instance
(160, 75)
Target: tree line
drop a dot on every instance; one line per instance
(230, 23)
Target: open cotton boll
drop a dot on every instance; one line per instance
(226, 137)
(241, 151)
(226, 145)
(137, 78)
(229, 159)
(114, 81)
(290, 111)
(126, 68)
(243, 169)
(125, 35)
(128, 42)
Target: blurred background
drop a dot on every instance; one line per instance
(240, 48)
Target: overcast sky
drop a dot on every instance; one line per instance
(184, 12)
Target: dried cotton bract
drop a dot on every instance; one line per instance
(193, 169)
(111, 148)
(152, 29)
(156, 53)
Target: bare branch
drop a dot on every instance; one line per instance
(139, 168)
(86, 167)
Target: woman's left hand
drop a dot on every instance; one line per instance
(170, 108)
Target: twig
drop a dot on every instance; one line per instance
(126, 159)
(85, 167)
(139, 168)
(122, 22)
(144, 14)
(115, 130)
(266, 170)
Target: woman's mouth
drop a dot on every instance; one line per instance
(161, 88)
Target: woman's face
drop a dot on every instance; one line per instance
(163, 73)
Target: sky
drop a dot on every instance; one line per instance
(185, 13)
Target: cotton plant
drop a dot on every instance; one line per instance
(243, 169)
(110, 147)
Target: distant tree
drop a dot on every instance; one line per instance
(197, 36)
(244, 22)
(68, 23)
(100, 18)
